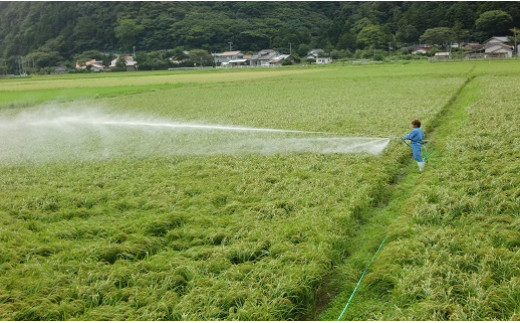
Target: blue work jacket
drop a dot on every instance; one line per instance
(416, 136)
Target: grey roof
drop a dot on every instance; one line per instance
(265, 54)
(495, 39)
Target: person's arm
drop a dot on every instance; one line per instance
(407, 137)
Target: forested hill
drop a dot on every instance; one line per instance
(65, 29)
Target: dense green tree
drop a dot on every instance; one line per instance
(346, 41)
(303, 49)
(438, 36)
(373, 36)
(461, 12)
(407, 34)
(494, 23)
(44, 59)
(127, 31)
(201, 57)
(70, 28)
(459, 33)
(156, 60)
(93, 54)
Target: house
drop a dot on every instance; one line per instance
(263, 57)
(278, 60)
(323, 60)
(130, 63)
(225, 57)
(441, 56)
(497, 39)
(315, 53)
(93, 65)
(495, 47)
(471, 46)
(318, 56)
(498, 50)
(420, 49)
(240, 62)
(177, 60)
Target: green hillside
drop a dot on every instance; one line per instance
(50, 33)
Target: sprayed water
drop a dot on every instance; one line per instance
(49, 134)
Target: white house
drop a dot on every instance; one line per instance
(225, 57)
(94, 65)
(315, 53)
(496, 47)
(278, 60)
(442, 55)
(236, 63)
(263, 57)
(323, 60)
(420, 49)
(497, 39)
(130, 63)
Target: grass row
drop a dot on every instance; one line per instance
(454, 248)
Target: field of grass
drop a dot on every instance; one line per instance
(251, 236)
(454, 240)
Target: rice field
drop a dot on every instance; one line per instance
(454, 244)
(146, 234)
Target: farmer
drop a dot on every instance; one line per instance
(416, 136)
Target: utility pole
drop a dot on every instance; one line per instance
(516, 48)
(133, 47)
(20, 66)
(230, 45)
(290, 48)
(23, 69)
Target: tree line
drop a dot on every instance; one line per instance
(46, 34)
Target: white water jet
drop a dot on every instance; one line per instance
(49, 135)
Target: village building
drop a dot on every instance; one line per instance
(263, 57)
(421, 49)
(130, 63)
(323, 60)
(239, 62)
(439, 56)
(494, 47)
(225, 57)
(313, 54)
(278, 60)
(318, 55)
(93, 65)
(471, 46)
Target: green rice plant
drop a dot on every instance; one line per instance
(222, 237)
(458, 257)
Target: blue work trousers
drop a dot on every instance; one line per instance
(416, 150)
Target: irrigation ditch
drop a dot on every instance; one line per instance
(338, 289)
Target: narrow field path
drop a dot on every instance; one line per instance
(345, 295)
